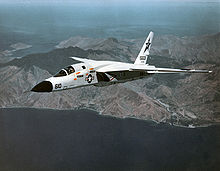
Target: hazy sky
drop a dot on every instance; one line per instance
(99, 1)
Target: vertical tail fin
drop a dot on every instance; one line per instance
(145, 50)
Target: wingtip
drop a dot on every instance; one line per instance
(76, 58)
(72, 57)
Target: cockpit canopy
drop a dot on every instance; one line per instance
(66, 71)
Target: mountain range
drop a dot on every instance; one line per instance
(181, 99)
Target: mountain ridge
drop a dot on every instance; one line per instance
(180, 99)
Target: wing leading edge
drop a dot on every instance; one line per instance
(84, 60)
(170, 70)
(149, 69)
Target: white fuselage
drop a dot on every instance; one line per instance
(86, 74)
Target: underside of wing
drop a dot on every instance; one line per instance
(149, 69)
(154, 70)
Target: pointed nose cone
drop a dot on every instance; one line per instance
(45, 86)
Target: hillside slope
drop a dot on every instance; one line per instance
(182, 99)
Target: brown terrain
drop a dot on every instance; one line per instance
(183, 99)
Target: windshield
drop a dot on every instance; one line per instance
(68, 70)
(61, 73)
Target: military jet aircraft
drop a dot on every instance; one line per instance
(103, 73)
